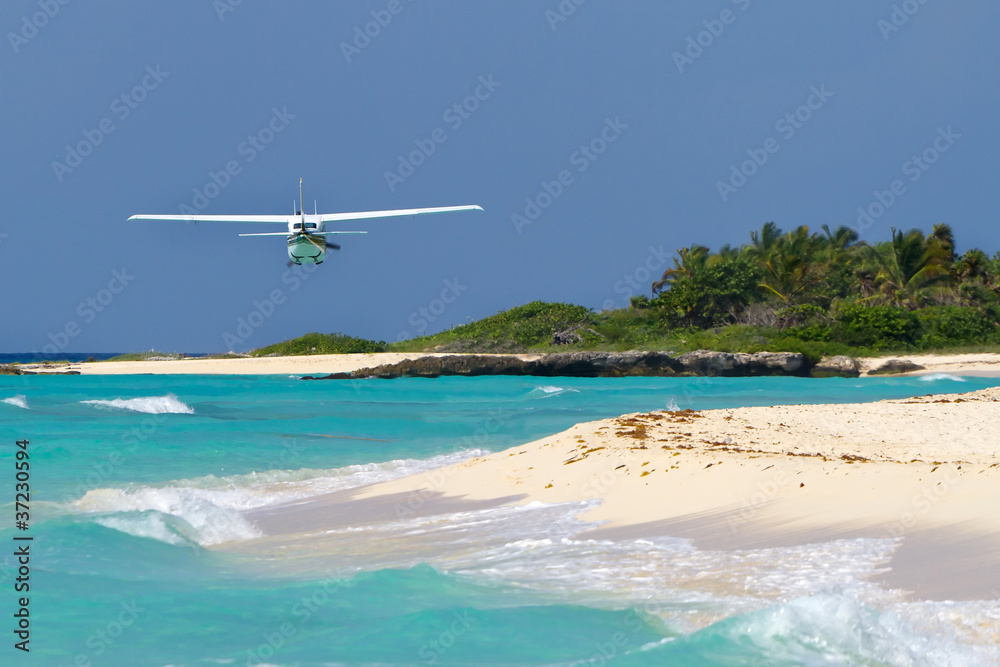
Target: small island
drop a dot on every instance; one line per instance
(787, 303)
(820, 295)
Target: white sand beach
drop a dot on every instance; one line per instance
(985, 363)
(317, 364)
(925, 470)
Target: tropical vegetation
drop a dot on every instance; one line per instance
(911, 290)
(317, 343)
(819, 293)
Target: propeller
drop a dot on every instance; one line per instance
(312, 239)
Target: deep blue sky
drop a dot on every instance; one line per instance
(886, 96)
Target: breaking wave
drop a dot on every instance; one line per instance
(941, 376)
(211, 507)
(552, 390)
(19, 401)
(153, 405)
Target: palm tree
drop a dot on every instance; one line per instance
(973, 266)
(692, 262)
(942, 235)
(790, 264)
(726, 253)
(841, 239)
(836, 256)
(907, 263)
(764, 240)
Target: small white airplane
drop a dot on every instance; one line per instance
(307, 242)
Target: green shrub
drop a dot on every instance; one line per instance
(878, 327)
(951, 325)
(317, 343)
(641, 301)
(514, 330)
(709, 298)
(803, 313)
(629, 329)
(143, 356)
(812, 332)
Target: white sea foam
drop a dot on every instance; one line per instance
(550, 390)
(212, 506)
(19, 401)
(149, 524)
(129, 511)
(941, 376)
(547, 553)
(808, 603)
(154, 405)
(974, 622)
(823, 590)
(829, 628)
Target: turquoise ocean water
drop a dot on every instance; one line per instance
(136, 479)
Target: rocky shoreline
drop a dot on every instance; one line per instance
(561, 364)
(605, 364)
(11, 369)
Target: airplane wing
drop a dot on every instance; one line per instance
(326, 217)
(336, 217)
(310, 233)
(283, 219)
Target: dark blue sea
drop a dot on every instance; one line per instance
(76, 357)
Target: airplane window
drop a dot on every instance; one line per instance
(298, 225)
(310, 225)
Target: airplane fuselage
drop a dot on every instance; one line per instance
(305, 245)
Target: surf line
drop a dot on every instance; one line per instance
(339, 437)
